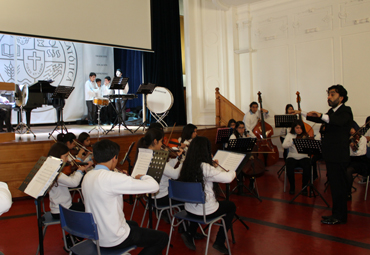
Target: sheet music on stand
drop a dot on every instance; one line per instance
(119, 83)
(241, 144)
(229, 160)
(62, 92)
(308, 146)
(42, 176)
(223, 135)
(284, 120)
(151, 163)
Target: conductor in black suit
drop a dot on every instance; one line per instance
(335, 149)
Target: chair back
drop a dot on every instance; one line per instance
(188, 192)
(80, 224)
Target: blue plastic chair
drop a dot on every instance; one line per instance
(82, 224)
(192, 192)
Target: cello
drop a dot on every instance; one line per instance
(268, 152)
(309, 129)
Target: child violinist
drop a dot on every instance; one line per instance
(153, 140)
(189, 132)
(84, 140)
(295, 159)
(59, 193)
(199, 167)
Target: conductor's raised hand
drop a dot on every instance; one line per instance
(314, 114)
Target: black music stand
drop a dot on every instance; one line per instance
(244, 145)
(61, 93)
(120, 84)
(223, 135)
(284, 121)
(155, 170)
(145, 89)
(39, 199)
(310, 147)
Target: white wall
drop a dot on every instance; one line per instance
(301, 45)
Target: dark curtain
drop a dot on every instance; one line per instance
(164, 67)
(130, 62)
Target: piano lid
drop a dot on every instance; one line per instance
(41, 87)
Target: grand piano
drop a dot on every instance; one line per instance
(39, 94)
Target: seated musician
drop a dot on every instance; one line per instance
(5, 198)
(252, 116)
(68, 139)
(153, 140)
(84, 140)
(289, 109)
(59, 193)
(103, 189)
(189, 132)
(295, 159)
(5, 116)
(199, 167)
(359, 161)
(239, 131)
(231, 123)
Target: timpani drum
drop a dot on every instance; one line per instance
(160, 101)
(100, 101)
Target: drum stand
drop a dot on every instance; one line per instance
(22, 128)
(159, 118)
(99, 128)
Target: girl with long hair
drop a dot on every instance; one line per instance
(239, 131)
(295, 159)
(189, 132)
(198, 167)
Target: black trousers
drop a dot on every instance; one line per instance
(153, 241)
(225, 207)
(338, 185)
(291, 164)
(91, 112)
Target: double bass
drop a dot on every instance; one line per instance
(309, 129)
(268, 152)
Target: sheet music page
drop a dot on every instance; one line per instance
(44, 177)
(143, 161)
(229, 160)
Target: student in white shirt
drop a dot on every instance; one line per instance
(91, 90)
(5, 198)
(252, 116)
(198, 167)
(189, 132)
(296, 159)
(153, 140)
(59, 193)
(359, 162)
(106, 113)
(239, 131)
(231, 123)
(103, 191)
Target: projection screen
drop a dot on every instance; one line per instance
(114, 23)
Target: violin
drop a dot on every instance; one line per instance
(174, 154)
(308, 128)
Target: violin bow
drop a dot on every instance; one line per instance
(171, 133)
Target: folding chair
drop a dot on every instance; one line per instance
(47, 220)
(191, 192)
(82, 224)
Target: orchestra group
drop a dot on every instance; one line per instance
(344, 148)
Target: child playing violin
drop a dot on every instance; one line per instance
(84, 140)
(59, 193)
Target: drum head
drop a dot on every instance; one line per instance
(160, 101)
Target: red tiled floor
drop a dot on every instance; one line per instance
(276, 227)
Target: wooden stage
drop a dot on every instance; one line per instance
(18, 157)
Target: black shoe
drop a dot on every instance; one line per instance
(199, 236)
(333, 221)
(188, 240)
(325, 217)
(221, 248)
